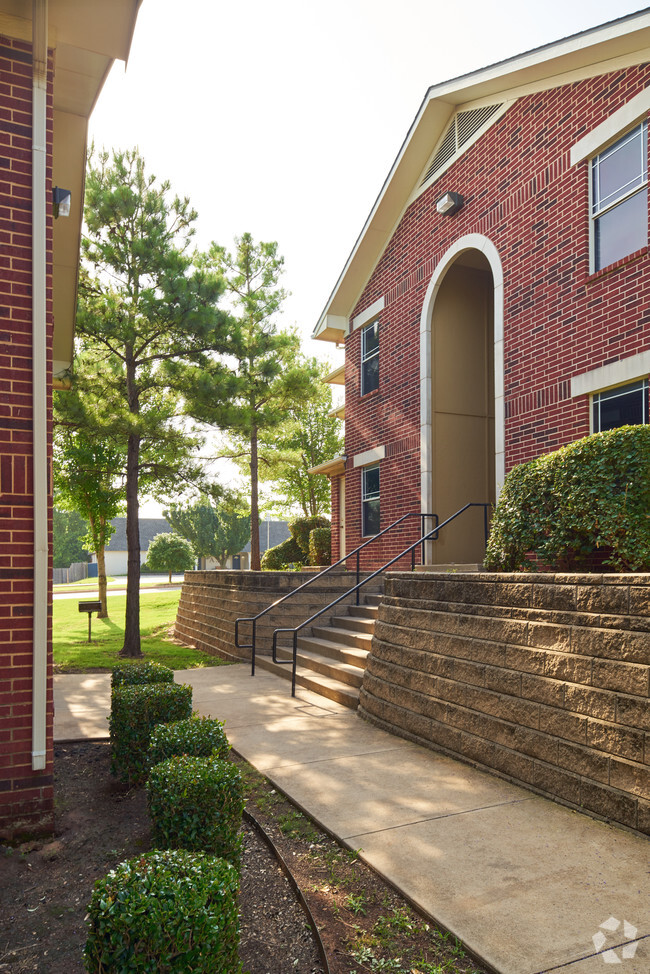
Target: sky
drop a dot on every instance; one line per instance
(284, 118)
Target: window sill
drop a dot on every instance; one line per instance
(632, 258)
(369, 395)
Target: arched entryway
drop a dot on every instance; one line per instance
(462, 394)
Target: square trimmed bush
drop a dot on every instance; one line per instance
(135, 711)
(197, 736)
(165, 912)
(197, 804)
(140, 673)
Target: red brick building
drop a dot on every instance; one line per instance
(54, 58)
(497, 303)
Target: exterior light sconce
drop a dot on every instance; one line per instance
(61, 200)
(449, 204)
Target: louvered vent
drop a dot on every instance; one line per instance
(463, 127)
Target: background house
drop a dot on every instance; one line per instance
(54, 58)
(495, 305)
(116, 552)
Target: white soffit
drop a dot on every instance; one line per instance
(622, 42)
(336, 377)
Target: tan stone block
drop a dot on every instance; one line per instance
(630, 777)
(525, 659)
(608, 599)
(614, 644)
(640, 600)
(545, 636)
(568, 666)
(633, 711)
(583, 761)
(625, 677)
(609, 803)
(593, 703)
(614, 739)
(643, 816)
(569, 727)
(557, 783)
(517, 766)
(502, 680)
(542, 690)
(513, 594)
(561, 597)
(467, 672)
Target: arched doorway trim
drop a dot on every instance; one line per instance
(472, 241)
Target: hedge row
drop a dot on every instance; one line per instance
(173, 909)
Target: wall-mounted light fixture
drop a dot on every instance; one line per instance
(61, 200)
(449, 204)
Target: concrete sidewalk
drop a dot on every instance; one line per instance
(526, 884)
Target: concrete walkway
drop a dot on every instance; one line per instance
(527, 885)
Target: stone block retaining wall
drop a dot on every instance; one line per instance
(211, 601)
(541, 678)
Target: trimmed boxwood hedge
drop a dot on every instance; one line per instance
(276, 559)
(582, 508)
(197, 736)
(165, 912)
(197, 804)
(300, 529)
(135, 711)
(320, 546)
(140, 673)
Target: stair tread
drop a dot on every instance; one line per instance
(332, 644)
(318, 658)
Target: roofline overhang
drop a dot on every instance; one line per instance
(331, 468)
(596, 50)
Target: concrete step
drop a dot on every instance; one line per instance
(351, 655)
(321, 684)
(354, 623)
(336, 669)
(347, 637)
(363, 611)
(372, 599)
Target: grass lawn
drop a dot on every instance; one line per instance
(73, 653)
(91, 585)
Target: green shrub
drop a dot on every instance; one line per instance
(582, 507)
(195, 804)
(135, 711)
(300, 529)
(320, 546)
(198, 736)
(287, 553)
(165, 913)
(140, 673)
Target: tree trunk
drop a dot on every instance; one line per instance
(101, 582)
(255, 516)
(131, 647)
(170, 577)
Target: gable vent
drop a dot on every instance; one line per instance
(464, 126)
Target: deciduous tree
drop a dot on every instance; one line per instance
(169, 553)
(214, 529)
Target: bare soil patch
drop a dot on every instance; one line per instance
(364, 924)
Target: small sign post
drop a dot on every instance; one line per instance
(90, 607)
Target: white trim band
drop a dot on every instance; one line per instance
(625, 117)
(614, 374)
(370, 456)
(371, 312)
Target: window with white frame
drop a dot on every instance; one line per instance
(370, 500)
(619, 198)
(623, 406)
(370, 358)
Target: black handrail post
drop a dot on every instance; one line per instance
(253, 650)
(295, 662)
(358, 575)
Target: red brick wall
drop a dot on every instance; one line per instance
(26, 796)
(522, 193)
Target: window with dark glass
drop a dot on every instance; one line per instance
(623, 406)
(370, 500)
(370, 358)
(619, 204)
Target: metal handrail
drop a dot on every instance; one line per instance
(359, 585)
(314, 578)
